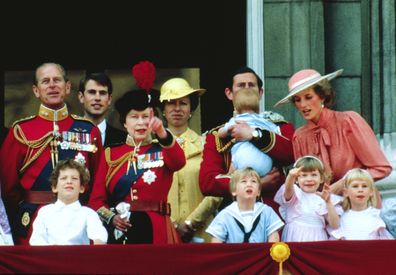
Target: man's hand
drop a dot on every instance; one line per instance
(120, 223)
(271, 181)
(241, 131)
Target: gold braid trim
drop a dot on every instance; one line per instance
(39, 144)
(105, 214)
(114, 165)
(271, 144)
(219, 144)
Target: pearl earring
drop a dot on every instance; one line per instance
(322, 105)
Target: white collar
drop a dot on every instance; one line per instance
(234, 211)
(74, 205)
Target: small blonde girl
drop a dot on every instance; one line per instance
(306, 211)
(361, 219)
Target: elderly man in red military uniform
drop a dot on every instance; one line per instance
(35, 144)
(214, 178)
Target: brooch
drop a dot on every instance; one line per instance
(149, 176)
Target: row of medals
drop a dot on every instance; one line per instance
(142, 163)
(77, 141)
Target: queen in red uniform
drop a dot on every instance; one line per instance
(140, 173)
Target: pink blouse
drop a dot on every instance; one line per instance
(343, 140)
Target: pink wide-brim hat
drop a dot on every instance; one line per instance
(304, 79)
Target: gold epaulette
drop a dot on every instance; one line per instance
(23, 119)
(77, 117)
(215, 128)
(273, 117)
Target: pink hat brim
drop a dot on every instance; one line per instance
(306, 85)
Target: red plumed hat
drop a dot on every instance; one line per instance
(144, 74)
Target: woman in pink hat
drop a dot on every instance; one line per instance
(343, 140)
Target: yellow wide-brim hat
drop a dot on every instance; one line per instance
(304, 79)
(175, 88)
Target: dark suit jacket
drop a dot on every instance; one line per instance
(114, 135)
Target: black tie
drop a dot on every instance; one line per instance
(247, 235)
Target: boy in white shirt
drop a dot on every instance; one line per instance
(66, 222)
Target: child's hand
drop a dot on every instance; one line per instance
(325, 194)
(337, 187)
(120, 223)
(295, 172)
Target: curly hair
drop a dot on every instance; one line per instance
(70, 164)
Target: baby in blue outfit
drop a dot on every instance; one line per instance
(244, 153)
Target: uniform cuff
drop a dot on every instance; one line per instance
(168, 141)
(266, 142)
(105, 214)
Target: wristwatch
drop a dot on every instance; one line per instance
(256, 134)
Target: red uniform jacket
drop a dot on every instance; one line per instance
(15, 152)
(152, 185)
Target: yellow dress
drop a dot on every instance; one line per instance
(185, 197)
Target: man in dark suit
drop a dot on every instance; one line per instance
(95, 93)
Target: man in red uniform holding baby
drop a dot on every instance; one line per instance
(35, 144)
(214, 174)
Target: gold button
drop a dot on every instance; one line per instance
(135, 197)
(134, 190)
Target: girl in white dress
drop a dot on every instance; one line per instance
(306, 211)
(361, 220)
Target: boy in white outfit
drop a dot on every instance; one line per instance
(66, 222)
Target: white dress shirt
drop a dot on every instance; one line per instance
(67, 224)
(102, 128)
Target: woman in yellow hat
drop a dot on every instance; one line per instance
(191, 212)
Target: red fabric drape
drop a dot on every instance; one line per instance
(330, 257)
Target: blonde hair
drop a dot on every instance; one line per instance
(312, 163)
(358, 174)
(246, 100)
(240, 174)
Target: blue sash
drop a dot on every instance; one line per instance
(125, 183)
